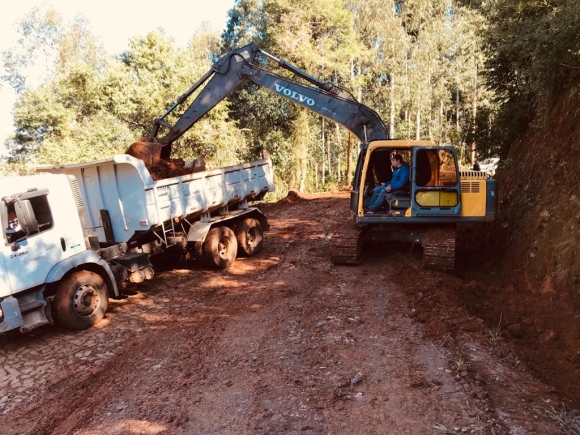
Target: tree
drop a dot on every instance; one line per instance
(40, 30)
(53, 111)
(533, 53)
(419, 62)
(315, 36)
(90, 107)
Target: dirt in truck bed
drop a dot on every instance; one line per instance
(148, 149)
(283, 343)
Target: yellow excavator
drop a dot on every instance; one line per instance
(437, 196)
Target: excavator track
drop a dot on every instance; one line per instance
(346, 246)
(439, 249)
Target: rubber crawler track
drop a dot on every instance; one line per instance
(346, 246)
(439, 249)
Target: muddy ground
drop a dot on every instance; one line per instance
(284, 343)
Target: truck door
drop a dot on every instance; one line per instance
(30, 255)
(435, 185)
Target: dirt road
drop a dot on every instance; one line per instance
(281, 343)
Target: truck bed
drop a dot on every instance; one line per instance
(123, 187)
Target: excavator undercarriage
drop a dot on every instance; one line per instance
(438, 242)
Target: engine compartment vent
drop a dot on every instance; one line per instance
(74, 184)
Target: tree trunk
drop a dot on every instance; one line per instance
(440, 119)
(329, 153)
(430, 102)
(474, 101)
(418, 124)
(418, 120)
(474, 107)
(392, 115)
(457, 106)
(316, 174)
(347, 180)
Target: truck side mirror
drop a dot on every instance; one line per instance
(26, 217)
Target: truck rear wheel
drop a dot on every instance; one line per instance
(220, 248)
(81, 300)
(250, 237)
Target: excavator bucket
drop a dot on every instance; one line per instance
(147, 149)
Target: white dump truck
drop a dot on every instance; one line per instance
(73, 235)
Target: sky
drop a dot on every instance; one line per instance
(114, 22)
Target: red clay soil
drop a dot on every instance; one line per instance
(148, 149)
(283, 343)
(528, 262)
(169, 168)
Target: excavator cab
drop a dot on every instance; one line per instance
(432, 190)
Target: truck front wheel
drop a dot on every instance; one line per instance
(220, 247)
(81, 300)
(250, 237)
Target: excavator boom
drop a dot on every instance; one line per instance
(243, 64)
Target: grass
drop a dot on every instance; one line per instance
(568, 420)
(494, 335)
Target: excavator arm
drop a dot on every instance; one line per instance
(244, 64)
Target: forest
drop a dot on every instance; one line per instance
(456, 72)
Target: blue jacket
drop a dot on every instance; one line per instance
(400, 177)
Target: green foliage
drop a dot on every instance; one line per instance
(91, 109)
(535, 46)
(422, 64)
(533, 53)
(94, 138)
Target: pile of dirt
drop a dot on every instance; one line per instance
(171, 168)
(148, 149)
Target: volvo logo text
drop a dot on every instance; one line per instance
(294, 95)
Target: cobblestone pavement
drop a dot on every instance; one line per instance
(30, 364)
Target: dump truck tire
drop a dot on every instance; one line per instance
(250, 237)
(220, 248)
(81, 300)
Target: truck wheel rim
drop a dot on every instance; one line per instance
(224, 247)
(86, 300)
(251, 236)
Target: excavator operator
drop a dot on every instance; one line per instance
(399, 183)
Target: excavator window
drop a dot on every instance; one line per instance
(436, 178)
(435, 167)
(380, 166)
